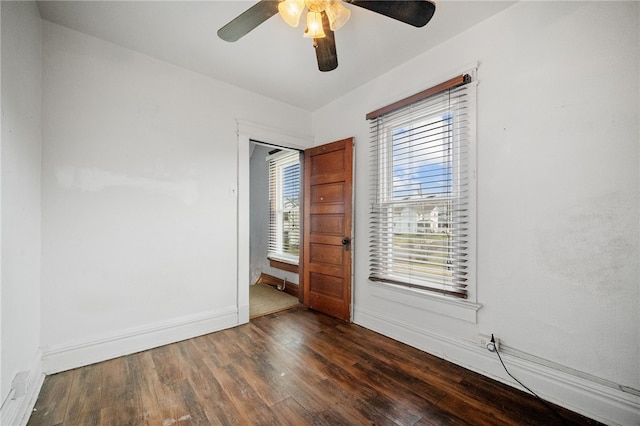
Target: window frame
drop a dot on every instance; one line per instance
(382, 167)
(278, 162)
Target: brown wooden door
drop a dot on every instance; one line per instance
(327, 228)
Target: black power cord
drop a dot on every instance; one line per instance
(545, 403)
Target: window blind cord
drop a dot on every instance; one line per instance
(545, 403)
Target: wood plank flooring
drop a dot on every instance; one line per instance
(296, 367)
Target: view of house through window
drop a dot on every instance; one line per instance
(421, 191)
(284, 206)
(419, 212)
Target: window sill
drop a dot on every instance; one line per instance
(455, 308)
(283, 265)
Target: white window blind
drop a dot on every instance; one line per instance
(284, 210)
(420, 190)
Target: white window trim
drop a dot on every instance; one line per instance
(462, 309)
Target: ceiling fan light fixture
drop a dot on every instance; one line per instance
(338, 14)
(291, 10)
(314, 26)
(325, 16)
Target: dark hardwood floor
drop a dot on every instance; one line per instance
(295, 367)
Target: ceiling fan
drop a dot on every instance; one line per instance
(323, 18)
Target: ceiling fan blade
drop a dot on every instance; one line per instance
(326, 48)
(412, 12)
(248, 20)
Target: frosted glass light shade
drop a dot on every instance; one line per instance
(338, 14)
(314, 26)
(290, 10)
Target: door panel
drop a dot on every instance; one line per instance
(328, 193)
(327, 224)
(327, 162)
(329, 254)
(327, 285)
(327, 219)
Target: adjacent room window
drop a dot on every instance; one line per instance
(284, 210)
(420, 183)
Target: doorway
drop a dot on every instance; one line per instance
(275, 228)
(248, 131)
(323, 252)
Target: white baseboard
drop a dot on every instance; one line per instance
(243, 314)
(607, 404)
(16, 412)
(56, 358)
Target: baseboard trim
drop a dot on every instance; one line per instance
(590, 398)
(17, 411)
(289, 287)
(243, 314)
(56, 358)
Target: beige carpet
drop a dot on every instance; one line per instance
(265, 299)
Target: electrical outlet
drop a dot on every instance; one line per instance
(484, 341)
(493, 345)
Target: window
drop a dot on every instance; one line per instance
(420, 224)
(284, 202)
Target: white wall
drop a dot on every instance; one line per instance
(20, 208)
(259, 211)
(140, 169)
(558, 200)
(260, 218)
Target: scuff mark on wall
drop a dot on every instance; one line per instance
(96, 180)
(588, 245)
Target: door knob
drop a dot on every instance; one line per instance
(345, 242)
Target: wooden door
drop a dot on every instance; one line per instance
(327, 228)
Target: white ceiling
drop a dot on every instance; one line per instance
(274, 59)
